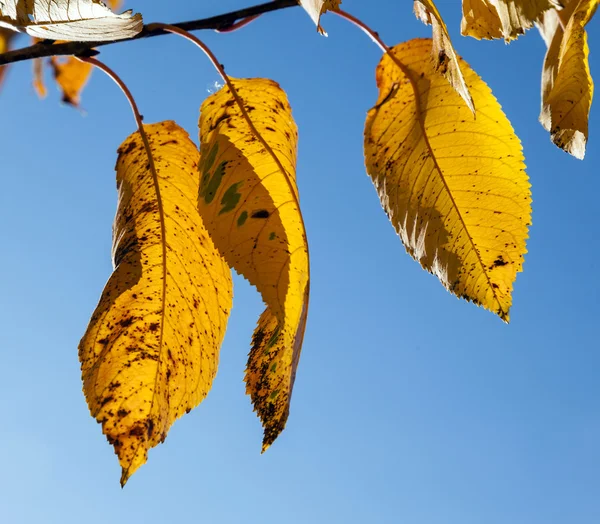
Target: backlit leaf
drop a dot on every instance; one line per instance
(150, 352)
(454, 188)
(79, 20)
(71, 75)
(567, 85)
(315, 8)
(502, 18)
(444, 57)
(249, 202)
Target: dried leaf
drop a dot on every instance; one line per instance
(151, 350)
(567, 85)
(444, 57)
(454, 188)
(315, 8)
(249, 202)
(502, 18)
(71, 20)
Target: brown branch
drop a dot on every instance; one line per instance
(218, 22)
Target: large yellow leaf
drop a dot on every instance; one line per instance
(151, 350)
(502, 18)
(444, 57)
(567, 85)
(315, 8)
(454, 188)
(249, 202)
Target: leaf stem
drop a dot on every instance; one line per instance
(373, 35)
(237, 25)
(219, 23)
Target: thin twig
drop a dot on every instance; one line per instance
(220, 22)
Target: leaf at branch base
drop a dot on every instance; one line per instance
(6, 37)
(249, 202)
(316, 8)
(150, 352)
(454, 188)
(567, 85)
(502, 18)
(71, 20)
(444, 57)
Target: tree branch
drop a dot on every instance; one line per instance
(43, 49)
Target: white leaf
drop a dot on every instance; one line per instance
(75, 20)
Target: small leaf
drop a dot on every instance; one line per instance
(150, 352)
(454, 188)
(444, 57)
(6, 37)
(315, 8)
(71, 20)
(567, 85)
(502, 18)
(249, 202)
(71, 75)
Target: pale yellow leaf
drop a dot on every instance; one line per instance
(567, 85)
(150, 352)
(502, 18)
(249, 202)
(39, 83)
(71, 20)
(315, 8)
(454, 188)
(444, 57)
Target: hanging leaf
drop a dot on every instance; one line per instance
(249, 202)
(502, 18)
(315, 8)
(151, 350)
(454, 188)
(567, 85)
(6, 37)
(444, 57)
(71, 20)
(71, 75)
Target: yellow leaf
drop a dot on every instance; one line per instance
(454, 188)
(444, 57)
(151, 350)
(6, 37)
(567, 85)
(71, 75)
(315, 8)
(249, 202)
(502, 18)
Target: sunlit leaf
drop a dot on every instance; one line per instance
(151, 350)
(444, 57)
(502, 18)
(71, 75)
(454, 187)
(79, 20)
(249, 202)
(315, 8)
(567, 85)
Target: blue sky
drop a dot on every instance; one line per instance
(410, 406)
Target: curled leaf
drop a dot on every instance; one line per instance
(453, 187)
(567, 85)
(150, 352)
(249, 202)
(502, 18)
(442, 52)
(315, 8)
(71, 20)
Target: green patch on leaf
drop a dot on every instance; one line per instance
(231, 198)
(242, 218)
(272, 235)
(210, 189)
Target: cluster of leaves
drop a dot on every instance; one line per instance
(444, 158)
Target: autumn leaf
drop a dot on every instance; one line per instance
(150, 352)
(78, 20)
(249, 202)
(454, 188)
(444, 57)
(315, 8)
(567, 85)
(502, 18)
(6, 37)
